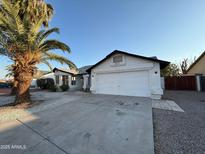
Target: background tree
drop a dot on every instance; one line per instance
(184, 66)
(186, 63)
(26, 44)
(171, 70)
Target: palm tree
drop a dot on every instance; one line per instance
(35, 9)
(26, 44)
(32, 11)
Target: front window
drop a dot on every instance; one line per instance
(57, 79)
(65, 79)
(73, 80)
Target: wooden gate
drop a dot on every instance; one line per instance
(180, 83)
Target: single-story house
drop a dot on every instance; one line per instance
(39, 73)
(198, 67)
(76, 80)
(123, 73)
(43, 76)
(119, 73)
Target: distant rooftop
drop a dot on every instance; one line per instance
(154, 57)
(64, 70)
(83, 70)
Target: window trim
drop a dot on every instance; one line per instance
(118, 63)
(119, 59)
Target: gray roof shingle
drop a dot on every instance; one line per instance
(83, 70)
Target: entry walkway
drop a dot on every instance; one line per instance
(166, 105)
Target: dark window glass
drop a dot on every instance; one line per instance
(65, 80)
(73, 80)
(57, 79)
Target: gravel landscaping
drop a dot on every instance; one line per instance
(181, 132)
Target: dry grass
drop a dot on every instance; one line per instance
(12, 111)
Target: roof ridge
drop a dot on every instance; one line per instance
(194, 63)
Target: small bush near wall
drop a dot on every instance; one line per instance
(64, 87)
(45, 83)
(53, 88)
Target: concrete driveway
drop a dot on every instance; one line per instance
(79, 123)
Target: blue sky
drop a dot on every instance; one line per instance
(169, 29)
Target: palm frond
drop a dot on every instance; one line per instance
(54, 44)
(50, 31)
(60, 59)
(35, 28)
(33, 31)
(10, 73)
(11, 19)
(42, 35)
(47, 63)
(3, 51)
(49, 14)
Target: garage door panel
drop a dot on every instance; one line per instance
(126, 83)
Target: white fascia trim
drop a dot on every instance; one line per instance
(123, 70)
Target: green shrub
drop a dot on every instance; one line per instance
(64, 87)
(53, 88)
(40, 83)
(45, 83)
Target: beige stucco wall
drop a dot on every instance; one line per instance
(198, 68)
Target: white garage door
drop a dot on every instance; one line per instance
(125, 83)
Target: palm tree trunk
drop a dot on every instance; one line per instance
(23, 95)
(14, 88)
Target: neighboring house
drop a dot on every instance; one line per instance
(122, 73)
(34, 84)
(39, 73)
(6, 83)
(76, 80)
(3, 81)
(198, 67)
(49, 75)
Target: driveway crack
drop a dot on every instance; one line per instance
(44, 137)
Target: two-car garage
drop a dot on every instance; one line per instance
(123, 83)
